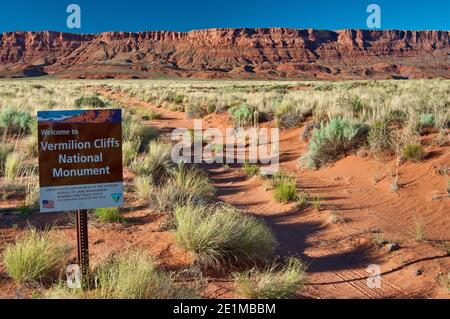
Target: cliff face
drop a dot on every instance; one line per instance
(229, 53)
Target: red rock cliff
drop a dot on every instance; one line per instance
(249, 53)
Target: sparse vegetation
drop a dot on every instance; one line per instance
(156, 162)
(250, 169)
(333, 140)
(413, 152)
(418, 228)
(285, 190)
(34, 255)
(129, 275)
(90, 101)
(217, 235)
(109, 215)
(273, 282)
(13, 121)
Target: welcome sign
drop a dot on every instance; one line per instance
(80, 159)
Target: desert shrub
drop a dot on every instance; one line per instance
(12, 166)
(289, 120)
(34, 255)
(109, 215)
(352, 103)
(273, 282)
(195, 111)
(130, 151)
(333, 140)
(221, 234)
(243, 115)
(397, 116)
(134, 131)
(143, 186)
(379, 137)
(303, 199)
(129, 275)
(250, 169)
(426, 120)
(90, 101)
(285, 189)
(316, 202)
(5, 151)
(156, 162)
(185, 185)
(150, 115)
(132, 275)
(191, 181)
(413, 152)
(13, 121)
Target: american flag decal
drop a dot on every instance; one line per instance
(49, 204)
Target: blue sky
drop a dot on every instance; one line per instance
(184, 15)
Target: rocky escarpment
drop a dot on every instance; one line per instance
(229, 53)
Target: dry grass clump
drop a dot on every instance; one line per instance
(274, 282)
(34, 255)
(156, 162)
(129, 275)
(182, 185)
(218, 235)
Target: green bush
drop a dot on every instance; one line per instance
(90, 101)
(242, 115)
(221, 234)
(14, 121)
(413, 152)
(274, 282)
(333, 140)
(250, 169)
(285, 189)
(32, 256)
(426, 120)
(109, 215)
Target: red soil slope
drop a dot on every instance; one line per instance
(229, 53)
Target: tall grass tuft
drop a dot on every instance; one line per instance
(129, 275)
(34, 255)
(220, 234)
(274, 282)
(156, 162)
(132, 275)
(12, 166)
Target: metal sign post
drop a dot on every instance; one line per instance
(83, 245)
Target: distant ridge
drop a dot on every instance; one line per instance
(229, 53)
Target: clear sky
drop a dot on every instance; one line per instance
(184, 15)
